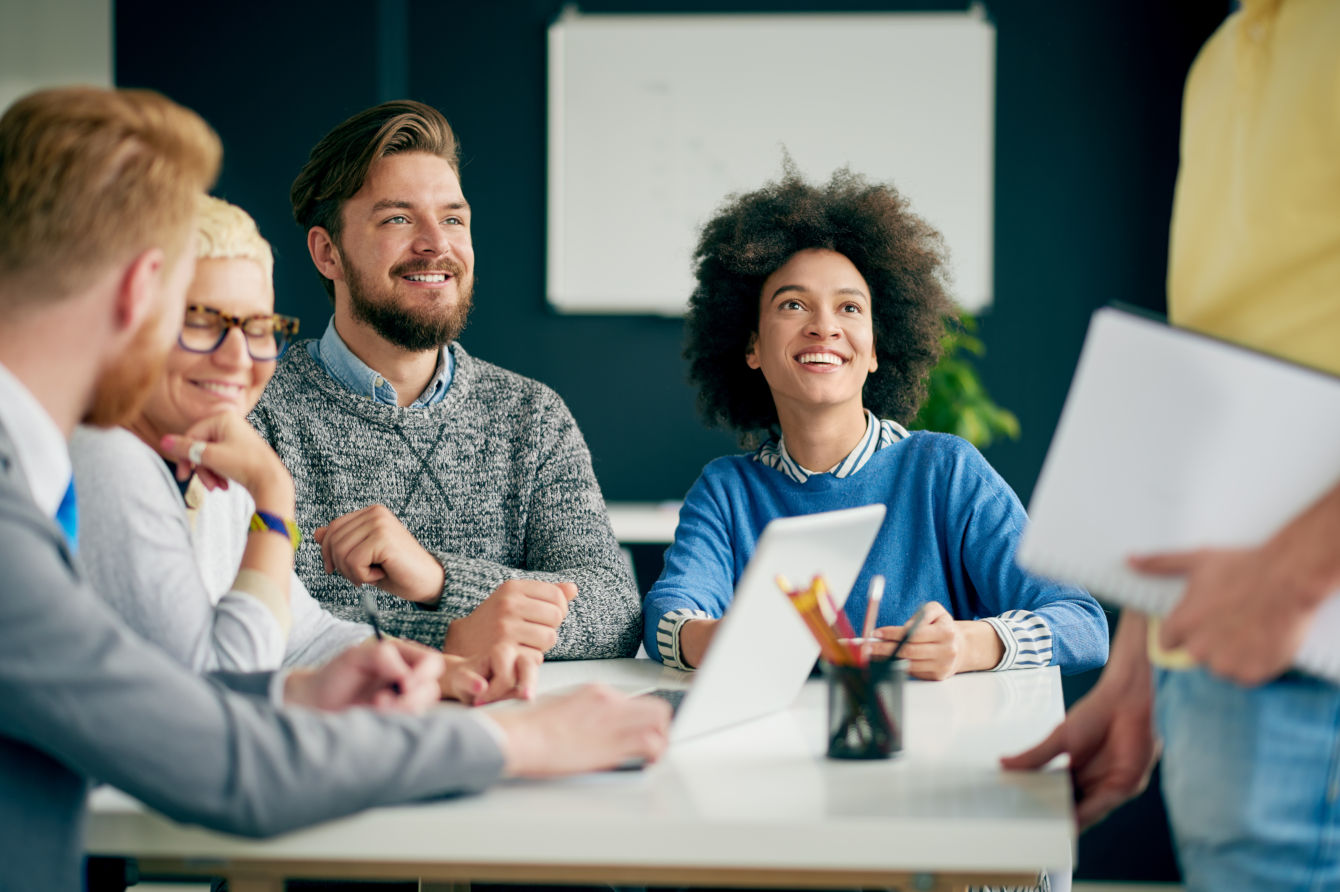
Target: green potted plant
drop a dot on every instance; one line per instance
(956, 401)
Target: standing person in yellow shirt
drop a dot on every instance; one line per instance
(1251, 750)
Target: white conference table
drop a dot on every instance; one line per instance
(756, 805)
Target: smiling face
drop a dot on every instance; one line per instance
(405, 260)
(197, 385)
(816, 342)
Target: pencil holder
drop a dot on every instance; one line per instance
(865, 709)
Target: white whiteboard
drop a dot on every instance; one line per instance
(52, 43)
(654, 119)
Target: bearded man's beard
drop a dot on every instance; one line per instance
(126, 382)
(415, 330)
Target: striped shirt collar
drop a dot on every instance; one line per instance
(878, 434)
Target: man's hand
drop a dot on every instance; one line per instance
(372, 547)
(502, 672)
(520, 612)
(1109, 733)
(942, 646)
(1246, 610)
(390, 674)
(591, 729)
(1243, 616)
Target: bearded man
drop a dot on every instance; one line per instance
(461, 490)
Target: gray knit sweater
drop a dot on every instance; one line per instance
(495, 481)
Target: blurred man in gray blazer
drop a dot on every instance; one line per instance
(98, 191)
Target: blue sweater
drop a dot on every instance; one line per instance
(949, 535)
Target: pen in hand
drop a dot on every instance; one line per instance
(910, 630)
(374, 619)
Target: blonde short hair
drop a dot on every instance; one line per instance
(226, 232)
(90, 177)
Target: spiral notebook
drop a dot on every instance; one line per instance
(1172, 440)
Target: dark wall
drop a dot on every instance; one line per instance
(1088, 100)
(1087, 114)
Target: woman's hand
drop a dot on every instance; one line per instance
(943, 646)
(224, 447)
(694, 637)
(502, 672)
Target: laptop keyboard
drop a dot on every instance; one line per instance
(673, 696)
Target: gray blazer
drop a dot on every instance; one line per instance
(81, 696)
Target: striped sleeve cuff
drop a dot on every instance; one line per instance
(667, 635)
(1026, 637)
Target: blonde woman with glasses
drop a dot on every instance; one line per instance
(202, 568)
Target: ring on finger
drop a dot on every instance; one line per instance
(196, 454)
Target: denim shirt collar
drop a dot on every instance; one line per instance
(333, 355)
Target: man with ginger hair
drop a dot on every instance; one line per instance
(462, 490)
(97, 196)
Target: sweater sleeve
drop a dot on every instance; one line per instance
(317, 635)
(1032, 615)
(506, 445)
(698, 581)
(136, 543)
(568, 538)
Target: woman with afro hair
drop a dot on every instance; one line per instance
(817, 316)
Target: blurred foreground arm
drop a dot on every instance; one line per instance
(391, 675)
(588, 730)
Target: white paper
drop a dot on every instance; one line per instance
(1170, 440)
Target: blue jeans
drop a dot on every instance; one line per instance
(1251, 779)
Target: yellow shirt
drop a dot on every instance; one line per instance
(1255, 250)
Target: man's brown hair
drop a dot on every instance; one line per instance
(339, 163)
(90, 176)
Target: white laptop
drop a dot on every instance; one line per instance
(762, 651)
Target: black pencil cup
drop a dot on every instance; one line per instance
(865, 709)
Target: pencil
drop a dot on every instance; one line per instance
(374, 620)
(370, 613)
(874, 595)
(909, 630)
(839, 620)
(806, 604)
